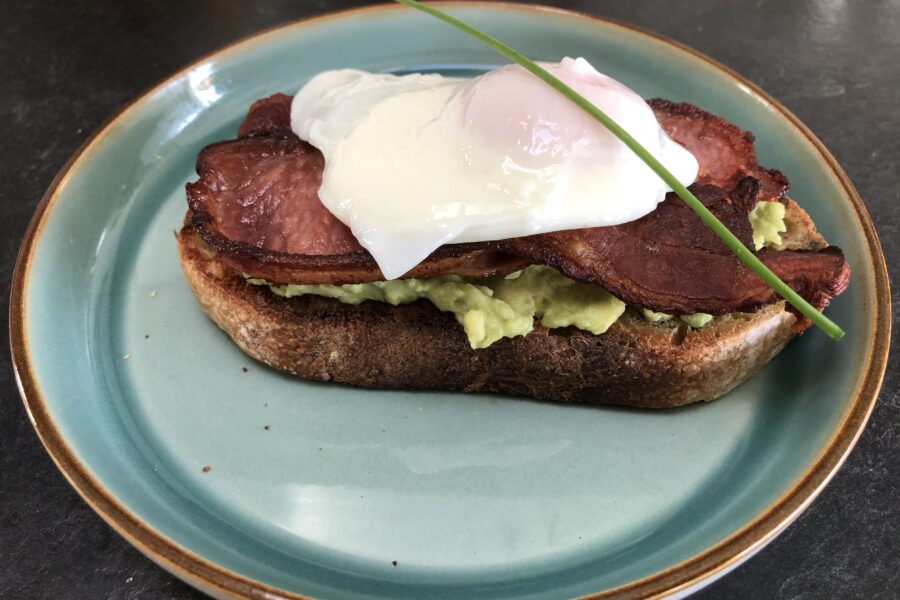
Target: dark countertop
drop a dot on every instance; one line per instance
(68, 66)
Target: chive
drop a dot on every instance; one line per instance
(734, 244)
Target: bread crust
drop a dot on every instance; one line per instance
(415, 346)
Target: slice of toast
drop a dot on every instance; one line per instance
(415, 346)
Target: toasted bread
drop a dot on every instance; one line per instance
(415, 346)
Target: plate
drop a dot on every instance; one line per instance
(245, 482)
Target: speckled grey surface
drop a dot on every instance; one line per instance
(67, 66)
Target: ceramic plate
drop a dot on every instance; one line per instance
(328, 491)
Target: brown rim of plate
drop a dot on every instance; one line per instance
(704, 565)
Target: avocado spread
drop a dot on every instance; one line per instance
(696, 320)
(767, 220)
(491, 309)
(499, 307)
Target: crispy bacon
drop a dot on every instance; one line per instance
(269, 116)
(667, 262)
(724, 151)
(263, 191)
(256, 205)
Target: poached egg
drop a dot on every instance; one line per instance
(416, 161)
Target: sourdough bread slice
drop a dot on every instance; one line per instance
(415, 346)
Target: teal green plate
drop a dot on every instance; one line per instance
(329, 491)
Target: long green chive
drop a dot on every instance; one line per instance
(741, 251)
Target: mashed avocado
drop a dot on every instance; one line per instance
(557, 300)
(484, 318)
(492, 309)
(696, 320)
(501, 307)
(767, 220)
